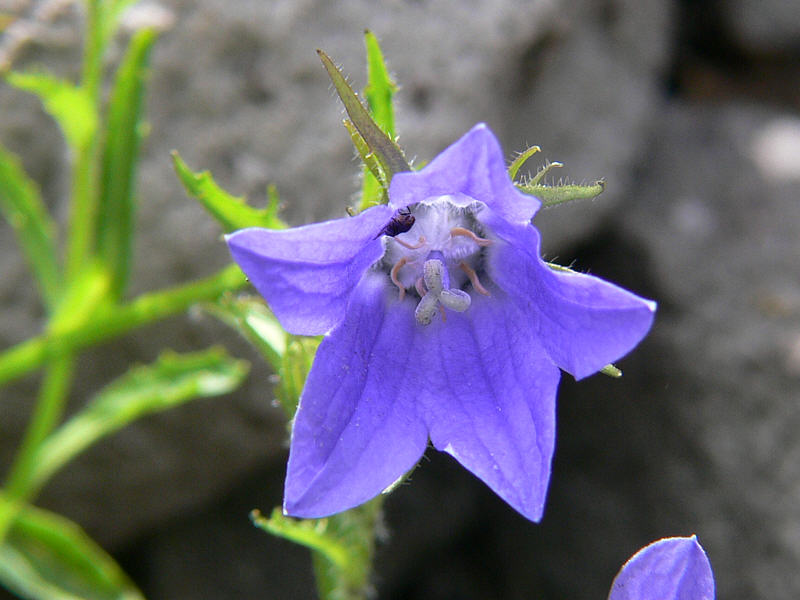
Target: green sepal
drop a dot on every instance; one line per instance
(342, 546)
(22, 206)
(520, 160)
(69, 105)
(231, 212)
(169, 382)
(296, 364)
(47, 557)
(552, 195)
(611, 371)
(122, 137)
(385, 149)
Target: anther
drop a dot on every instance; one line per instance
(473, 278)
(393, 274)
(471, 235)
(422, 241)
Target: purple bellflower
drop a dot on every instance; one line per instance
(442, 323)
(669, 569)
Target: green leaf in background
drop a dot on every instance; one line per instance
(115, 218)
(231, 212)
(22, 206)
(290, 356)
(47, 557)
(71, 106)
(385, 149)
(251, 317)
(172, 380)
(378, 92)
(380, 87)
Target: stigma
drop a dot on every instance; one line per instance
(439, 258)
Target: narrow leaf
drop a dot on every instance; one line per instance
(380, 87)
(231, 212)
(379, 92)
(385, 149)
(71, 106)
(47, 557)
(22, 206)
(172, 380)
(251, 317)
(514, 167)
(115, 217)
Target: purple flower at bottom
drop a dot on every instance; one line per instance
(669, 569)
(442, 323)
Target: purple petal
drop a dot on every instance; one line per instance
(488, 391)
(669, 569)
(583, 322)
(357, 429)
(472, 166)
(306, 274)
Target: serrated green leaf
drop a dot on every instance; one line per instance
(48, 557)
(385, 149)
(71, 106)
(115, 218)
(231, 212)
(22, 206)
(172, 380)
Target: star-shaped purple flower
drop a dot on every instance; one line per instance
(669, 569)
(442, 323)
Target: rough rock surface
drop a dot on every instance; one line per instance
(696, 438)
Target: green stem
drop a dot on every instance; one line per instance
(49, 408)
(147, 308)
(83, 209)
(46, 415)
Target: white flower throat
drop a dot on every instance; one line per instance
(437, 258)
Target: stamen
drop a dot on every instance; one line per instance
(473, 277)
(426, 309)
(393, 274)
(444, 316)
(471, 235)
(422, 241)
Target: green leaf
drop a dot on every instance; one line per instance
(122, 136)
(380, 87)
(251, 317)
(514, 167)
(385, 149)
(71, 106)
(22, 206)
(47, 557)
(231, 212)
(343, 546)
(379, 92)
(173, 380)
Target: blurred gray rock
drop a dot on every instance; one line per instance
(763, 25)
